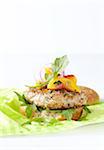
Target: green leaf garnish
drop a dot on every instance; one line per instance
(85, 112)
(86, 109)
(53, 121)
(59, 65)
(46, 76)
(26, 123)
(58, 82)
(68, 113)
(29, 111)
(39, 119)
(40, 84)
(22, 98)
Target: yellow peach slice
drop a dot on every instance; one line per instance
(63, 83)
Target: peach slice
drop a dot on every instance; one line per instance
(68, 83)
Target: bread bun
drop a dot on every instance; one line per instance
(92, 96)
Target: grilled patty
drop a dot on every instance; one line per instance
(61, 99)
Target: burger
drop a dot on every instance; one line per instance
(57, 96)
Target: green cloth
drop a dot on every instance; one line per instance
(11, 121)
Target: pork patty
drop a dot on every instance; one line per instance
(61, 99)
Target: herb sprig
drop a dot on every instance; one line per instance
(57, 67)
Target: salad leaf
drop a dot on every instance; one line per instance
(11, 113)
(14, 104)
(11, 121)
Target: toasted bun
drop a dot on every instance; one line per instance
(77, 114)
(92, 96)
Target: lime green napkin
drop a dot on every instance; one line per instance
(13, 123)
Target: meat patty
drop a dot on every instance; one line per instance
(61, 99)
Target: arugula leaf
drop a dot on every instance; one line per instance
(29, 108)
(29, 111)
(53, 121)
(86, 109)
(85, 112)
(60, 64)
(47, 122)
(22, 98)
(26, 123)
(39, 119)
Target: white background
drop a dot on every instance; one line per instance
(32, 33)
